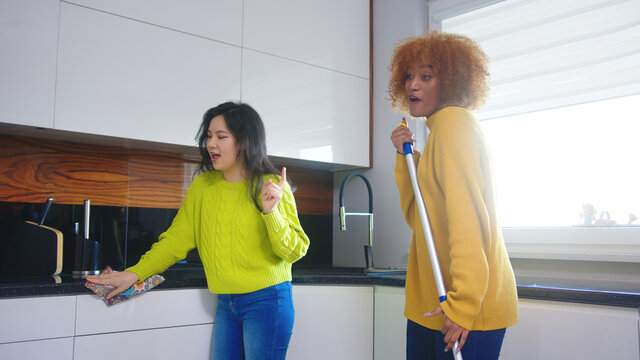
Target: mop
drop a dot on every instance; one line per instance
(426, 227)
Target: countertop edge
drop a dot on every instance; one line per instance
(174, 281)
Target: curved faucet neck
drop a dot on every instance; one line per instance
(366, 181)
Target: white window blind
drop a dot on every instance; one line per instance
(548, 53)
(562, 121)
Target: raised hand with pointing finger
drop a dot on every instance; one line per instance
(272, 193)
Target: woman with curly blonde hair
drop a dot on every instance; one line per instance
(441, 77)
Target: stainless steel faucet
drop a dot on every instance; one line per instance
(368, 249)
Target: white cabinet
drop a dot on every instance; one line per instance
(167, 324)
(557, 330)
(306, 70)
(390, 337)
(155, 309)
(148, 70)
(183, 342)
(36, 318)
(309, 113)
(126, 78)
(220, 20)
(332, 322)
(332, 34)
(32, 327)
(28, 39)
(52, 349)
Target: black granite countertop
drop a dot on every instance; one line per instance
(181, 278)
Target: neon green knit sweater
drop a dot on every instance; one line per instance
(242, 250)
(455, 178)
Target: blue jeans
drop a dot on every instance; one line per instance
(424, 343)
(256, 325)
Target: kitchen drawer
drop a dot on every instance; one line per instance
(36, 318)
(55, 349)
(155, 309)
(183, 342)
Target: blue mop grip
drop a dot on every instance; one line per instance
(442, 298)
(408, 149)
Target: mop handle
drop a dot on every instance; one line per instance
(426, 227)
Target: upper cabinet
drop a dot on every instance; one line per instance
(306, 70)
(28, 39)
(309, 113)
(331, 34)
(127, 78)
(149, 69)
(218, 20)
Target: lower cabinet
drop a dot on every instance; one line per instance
(162, 324)
(332, 322)
(390, 324)
(559, 330)
(155, 309)
(182, 342)
(33, 327)
(52, 349)
(545, 330)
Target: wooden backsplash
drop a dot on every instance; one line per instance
(34, 169)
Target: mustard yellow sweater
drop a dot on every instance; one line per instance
(457, 187)
(242, 249)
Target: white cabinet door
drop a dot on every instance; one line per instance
(556, 330)
(23, 319)
(309, 113)
(126, 78)
(155, 309)
(220, 20)
(28, 39)
(390, 337)
(183, 342)
(53, 349)
(332, 322)
(332, 34)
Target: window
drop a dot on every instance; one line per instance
(562, 120)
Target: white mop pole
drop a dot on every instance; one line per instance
(426, 227)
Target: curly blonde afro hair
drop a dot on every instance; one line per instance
(458, 61)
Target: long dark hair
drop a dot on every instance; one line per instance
(246, 126)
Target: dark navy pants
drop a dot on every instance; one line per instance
(424, 343)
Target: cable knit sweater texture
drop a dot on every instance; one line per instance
(458, 190)
(242, 249)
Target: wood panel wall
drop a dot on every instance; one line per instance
(34, 169)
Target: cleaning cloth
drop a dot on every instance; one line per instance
(137, 289)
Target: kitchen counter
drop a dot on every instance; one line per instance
(194, 278)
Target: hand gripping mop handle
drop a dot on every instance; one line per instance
(426, 227)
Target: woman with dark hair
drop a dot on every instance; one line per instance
(441, 77)
(241, 215)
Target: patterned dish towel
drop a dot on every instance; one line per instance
(137, 289)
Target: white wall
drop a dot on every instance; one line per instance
(393, 21)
